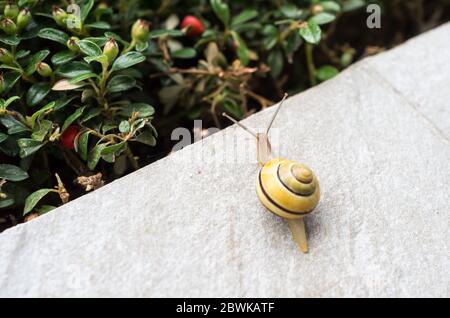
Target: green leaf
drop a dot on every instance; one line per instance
(35, 60)
(95, 155)
(54, 35)
(85, 9)
(146, 138)
(11, 79)
(292, 43)
(12, 40)
(37, 93)
(323, 18)
(100, 25)
(13, 125)
(271, 36)
(332, 6)
(142, 46)
(72, 118)
(82, 77)
(74, 69)
(34, 198)
(15, 195)
(115, 149)
(276, 62)
(12, 173)
(90, 48)
(61, 103)
(326, 72)
(37, 114)
(102, 59)
(158, 33)
(63, 57)
(120, 83)
(124, 126)
(91, 113)
(82, 145)
(242, 50)
(41, 130)
(28, 146)
(127, 60)
(244, 16)
(311, 32)
(144, 110)
(350, 5)
(45, 209)
(291, 11)
(3, 137)
(222, 11)
(185, 53)
(22, 54)
(100, 41)
(10, 100)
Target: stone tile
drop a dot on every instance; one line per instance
(420, 70)
(192, 226)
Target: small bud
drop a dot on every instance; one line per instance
(139, 31)
(73, 44)
(317, 8)
(8, 26)
(11, 11)
(5, 56)
(100, 10)
(23, 19)
(111, 50)
(2, 84)
(44, 69)
(60, 16)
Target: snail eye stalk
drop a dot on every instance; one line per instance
(276, 113)
(240, 125)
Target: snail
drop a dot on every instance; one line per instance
(286, 188)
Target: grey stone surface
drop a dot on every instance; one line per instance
(420, 70)
(185, 226)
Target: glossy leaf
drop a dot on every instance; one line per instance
(12, 173)
(72, 118)
(54, 35)
(28, 146)
(63, 57)
(34, 199)
(120, 83)
(311, 32)
(127, 60)
(222, 11)
(244, 16)
(95, 155)
(90, 48)
(37, 93)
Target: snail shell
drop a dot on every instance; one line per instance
(287, 188)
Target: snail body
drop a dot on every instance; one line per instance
(287, 188)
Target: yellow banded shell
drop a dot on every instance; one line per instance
(287, 188)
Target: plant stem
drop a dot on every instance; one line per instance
(310, 63)
(130, 47)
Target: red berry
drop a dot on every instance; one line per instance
(68, 137)
(195, 25)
